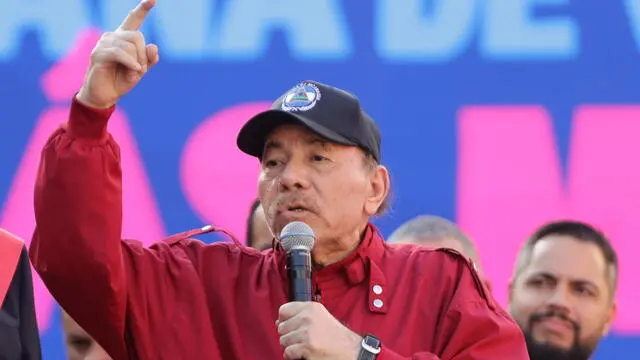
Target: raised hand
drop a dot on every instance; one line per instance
(119, 60)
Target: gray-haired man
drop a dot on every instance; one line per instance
(437, 232)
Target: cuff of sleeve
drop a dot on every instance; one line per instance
(386, 354)
(86, 122)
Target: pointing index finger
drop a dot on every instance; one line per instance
(136, 17)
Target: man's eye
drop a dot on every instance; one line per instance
(584, 291)
(271, 163)
(318, 158)
(540, 282)
(81, 344)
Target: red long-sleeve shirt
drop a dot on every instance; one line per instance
(182, 299)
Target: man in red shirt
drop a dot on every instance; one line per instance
(182, 299)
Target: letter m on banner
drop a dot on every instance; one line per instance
(510, 181)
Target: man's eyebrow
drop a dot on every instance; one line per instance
(272, 144)
(315, 140)
(543, 274)
(584, 282)
(577, 281)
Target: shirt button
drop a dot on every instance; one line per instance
(377, 289)
(378, 303)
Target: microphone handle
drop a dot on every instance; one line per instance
(299, 271)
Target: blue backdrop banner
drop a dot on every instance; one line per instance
(499, 114)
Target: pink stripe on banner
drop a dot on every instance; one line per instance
(65, 77)
(219, 180)
(510, 182)
(508, 175)
(141, 216)
(604, 188)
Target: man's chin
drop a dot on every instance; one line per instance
(546, 351)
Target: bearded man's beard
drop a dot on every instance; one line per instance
(546, 351)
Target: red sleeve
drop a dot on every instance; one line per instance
(475, 326)
(77, 248)
(78, 210)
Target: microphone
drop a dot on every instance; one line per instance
(297, 239)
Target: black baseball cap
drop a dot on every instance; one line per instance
(331, 113)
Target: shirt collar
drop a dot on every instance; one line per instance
(354, 266)
(361, 265)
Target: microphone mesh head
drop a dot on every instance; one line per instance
(297, 235)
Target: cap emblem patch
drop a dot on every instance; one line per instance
(302, 97)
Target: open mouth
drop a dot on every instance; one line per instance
(296, 208)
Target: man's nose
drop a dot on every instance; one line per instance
(560, 299)
(294, 176)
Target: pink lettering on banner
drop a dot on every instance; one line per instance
(510, 182)
(220, 181)
(141, 216)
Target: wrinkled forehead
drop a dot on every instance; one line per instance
(298, 137)
(568, 258)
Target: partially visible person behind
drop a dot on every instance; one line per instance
(79, 344)
(437, 232)
(563, 291)
(19, 337)
(258, 234)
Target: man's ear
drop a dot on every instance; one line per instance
(380, 184)
(611, 315)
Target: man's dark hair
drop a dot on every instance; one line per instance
(580, 231)
(252, 212)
